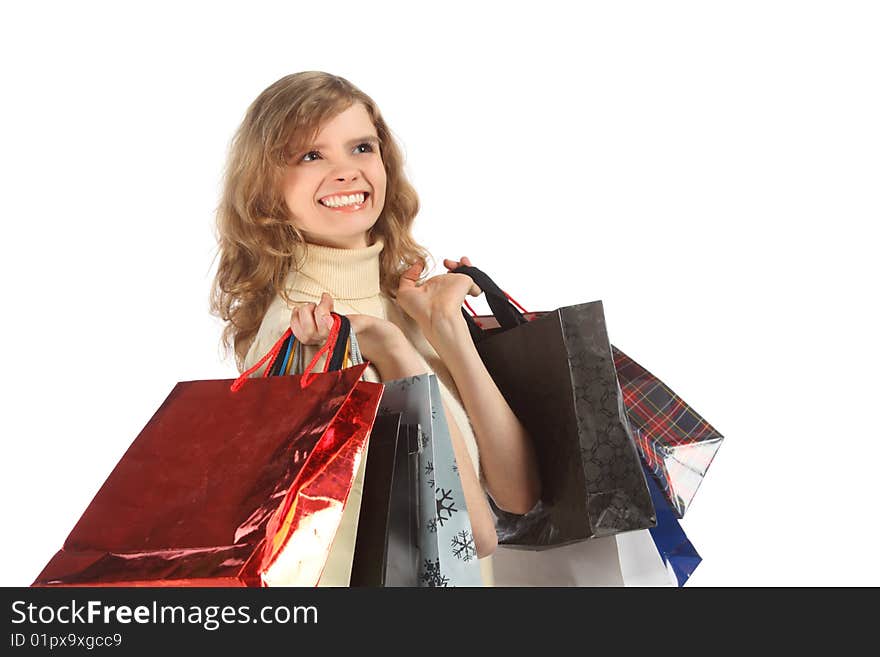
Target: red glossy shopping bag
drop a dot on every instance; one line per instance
(227, 485)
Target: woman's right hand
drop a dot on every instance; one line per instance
(311, 323)
(381, 342)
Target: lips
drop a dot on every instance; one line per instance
(344, 194)
(347, 209)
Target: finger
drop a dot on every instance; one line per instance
(474, 290)
(323, 320)
(414, 272)
(296, 327)
(451, 264)
(410, 277)
(322, 325)
(307, 319)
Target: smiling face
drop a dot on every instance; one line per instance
(335, 188)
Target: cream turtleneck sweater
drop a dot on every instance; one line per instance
(351, 277)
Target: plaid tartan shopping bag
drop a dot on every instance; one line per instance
(675, 442)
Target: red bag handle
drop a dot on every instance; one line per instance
(509, 298)
(272, 354)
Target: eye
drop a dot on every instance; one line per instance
(369, 146)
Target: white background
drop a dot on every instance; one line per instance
(709, 170)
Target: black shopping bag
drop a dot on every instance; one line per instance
(557, 373)
(386, 550)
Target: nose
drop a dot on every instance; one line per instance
(345, 170)
(347, 175)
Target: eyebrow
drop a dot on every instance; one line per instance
(352, 142)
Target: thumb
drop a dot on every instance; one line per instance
(323, 310)
(410, 277)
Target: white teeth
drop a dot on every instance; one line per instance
(340, 201)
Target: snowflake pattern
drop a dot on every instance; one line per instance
(406, 384)
(463, 545)
(432, 525)
(431, 574)
(445, 505)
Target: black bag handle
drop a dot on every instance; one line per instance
(506, 313)
(337, 358)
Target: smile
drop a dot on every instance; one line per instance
(342, 202)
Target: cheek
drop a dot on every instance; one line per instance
(379, 177)
(297, 191)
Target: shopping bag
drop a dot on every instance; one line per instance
(640, 562)
(340, 560)
(386, 543)
(592, 563)
(630, 559)
(226, 485)
(371, 545)
(385, 493)
(402, 560)
(557, 373)
(676, 443)
(447, 552)
(675, 549)
(673, 439)
(386, 552)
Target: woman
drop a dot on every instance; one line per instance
(316, 215)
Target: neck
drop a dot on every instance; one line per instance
(353, 242)
(344, 273)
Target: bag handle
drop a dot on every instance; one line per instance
(292, 363)
(328, 348)
(281, 363)
(337, 356)
(501, 303)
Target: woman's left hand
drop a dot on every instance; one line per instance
(438, 300)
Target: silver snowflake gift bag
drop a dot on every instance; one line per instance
(448, 555)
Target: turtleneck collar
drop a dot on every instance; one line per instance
(342, 273)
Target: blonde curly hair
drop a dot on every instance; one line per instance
(256, 238)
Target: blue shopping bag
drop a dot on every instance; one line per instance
(676, 550)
